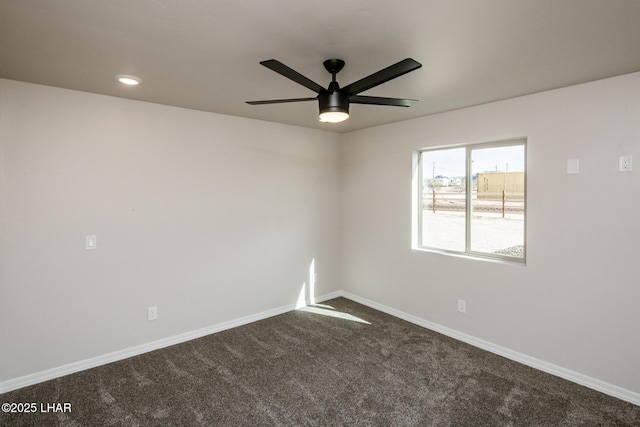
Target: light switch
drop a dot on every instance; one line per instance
(90, 242)
(573, 166)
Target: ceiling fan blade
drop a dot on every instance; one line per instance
(280, 68)
(382, 76)
(376, 100)
(281, 101)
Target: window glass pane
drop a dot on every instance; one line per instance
(443, 199)
(497, 200)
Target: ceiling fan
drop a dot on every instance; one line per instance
(334, 101)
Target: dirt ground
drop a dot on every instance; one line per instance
(489, 232)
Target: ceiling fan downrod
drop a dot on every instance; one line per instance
(333, 102)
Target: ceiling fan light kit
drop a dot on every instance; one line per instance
(333, 116)
(333, 102)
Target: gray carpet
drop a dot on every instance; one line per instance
(309, 369)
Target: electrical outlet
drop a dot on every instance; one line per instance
(462, 306)
(152, 313)
(625, 163)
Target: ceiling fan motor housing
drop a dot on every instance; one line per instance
(334, 101)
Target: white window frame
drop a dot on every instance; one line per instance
(418, 207)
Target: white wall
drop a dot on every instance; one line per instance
(575, 303)
(209, 217)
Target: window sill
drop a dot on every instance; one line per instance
(477, 256)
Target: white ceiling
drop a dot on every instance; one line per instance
(205, 54)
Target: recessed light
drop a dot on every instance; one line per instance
(128, 80)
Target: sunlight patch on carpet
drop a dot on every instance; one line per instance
(326, 310)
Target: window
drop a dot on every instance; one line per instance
(471, 200)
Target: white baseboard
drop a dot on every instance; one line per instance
(329, 296)
(532, 362)
(541, 365)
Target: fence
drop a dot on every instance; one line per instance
(501, 202)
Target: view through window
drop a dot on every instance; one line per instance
(472, 200)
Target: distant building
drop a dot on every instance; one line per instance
(456, 182)
(438, 181)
